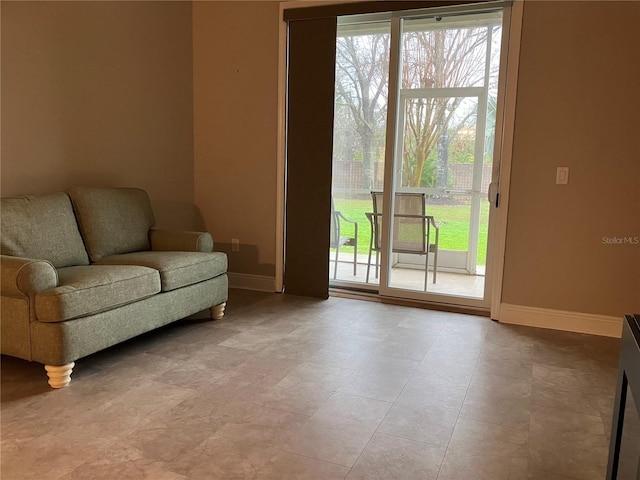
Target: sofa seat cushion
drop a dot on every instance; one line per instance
(177, 269)
(85, 290)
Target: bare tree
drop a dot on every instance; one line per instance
(441, 58)
(362, 65)
(432, 58)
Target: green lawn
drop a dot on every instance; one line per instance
(453, 221)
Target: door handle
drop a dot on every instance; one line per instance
(494, 194)
(457, 192)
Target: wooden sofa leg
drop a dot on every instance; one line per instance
(59, 375)
(217, 311)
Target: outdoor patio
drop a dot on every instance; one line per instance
(409, 278)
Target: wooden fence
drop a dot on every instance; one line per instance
(349, 176)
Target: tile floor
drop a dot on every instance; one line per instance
(288, 387)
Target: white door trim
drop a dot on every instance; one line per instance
(498, 228)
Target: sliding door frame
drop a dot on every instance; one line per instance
(505, 127)
(503, 140)
(394, 141)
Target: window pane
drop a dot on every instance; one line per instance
(359, 134)
(446, 53)
(439, 133)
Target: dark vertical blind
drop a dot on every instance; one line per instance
(309, 145)
(310, 94)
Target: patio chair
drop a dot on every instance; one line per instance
(413, 230)
(337, 240)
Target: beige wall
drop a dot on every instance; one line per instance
(102, 94)
(235, 110)
(99, 94)
(577, 106)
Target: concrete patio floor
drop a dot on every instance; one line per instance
(447, 283)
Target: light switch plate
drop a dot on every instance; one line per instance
(562, 175)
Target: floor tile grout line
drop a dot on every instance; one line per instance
(363, 450)
(459, 412)
(282, 449)
(400, 437)
(303, 456)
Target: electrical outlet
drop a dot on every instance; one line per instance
(235, 245)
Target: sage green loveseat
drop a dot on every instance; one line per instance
(84, 270)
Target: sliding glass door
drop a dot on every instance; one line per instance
(359, 140)
(413, 152)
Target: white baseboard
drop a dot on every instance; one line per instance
(602, 325)
(245, 281)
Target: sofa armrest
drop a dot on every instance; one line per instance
(180, 241)
(22, 277)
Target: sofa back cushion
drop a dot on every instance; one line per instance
(42, 227)
(113, 220)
